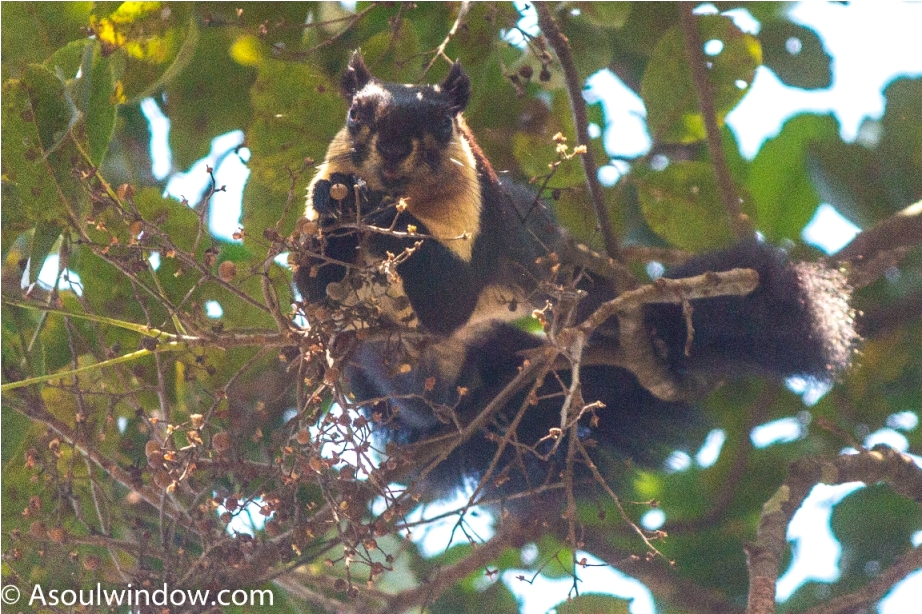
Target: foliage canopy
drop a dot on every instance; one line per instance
(151, 425)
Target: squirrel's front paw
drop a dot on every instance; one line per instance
(334, 196)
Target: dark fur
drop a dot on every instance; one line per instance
(512, 230)
(632, 426)
(796, 323)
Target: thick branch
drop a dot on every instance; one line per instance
(740, 221)
(637, 354)
(882, 464)
(875, 250)
(875, 589)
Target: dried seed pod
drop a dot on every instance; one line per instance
(227, 270)
(339, 191)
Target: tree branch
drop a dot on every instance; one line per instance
(875, 589)
(33, 408)
(740, 222)
(561, 47)
(636, 350)
(440, 50)
(511, 534)
(875, 250)
(882, 464)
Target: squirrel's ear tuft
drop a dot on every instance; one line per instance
(458, 87)
(356, 76)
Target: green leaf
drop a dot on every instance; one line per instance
(762, 11)
(39, 157)
(46, 234)
(213, 76)
(33, 31)
(93, 93)
(901, 144)
(537, 152)
(429, 26)
(389, 53)
(473, 43)
(574, 211)
(593, 604)
(874, 541)
(592, 44)
(174, 218)
(605, 14)
(494, 107)
(97, 101)
(796, 54)
(843, 175)
(12, 220)
(296, 112)
(778, 179)
(54, 112)
(682, 205)
(14, 436)
(673, 113)
(150, 43)
(67, 60)
(279, 136)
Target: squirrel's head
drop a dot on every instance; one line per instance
(402, 135)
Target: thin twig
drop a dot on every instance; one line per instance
(600, 479)
(740, 222)
(561, 47)
(538, 365)
(34, 409)
(510, 534)
(354, 19)
(440, 50)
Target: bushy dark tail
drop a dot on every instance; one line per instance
(797, 322)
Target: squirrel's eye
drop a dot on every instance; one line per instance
(354, 116)
(444, 129)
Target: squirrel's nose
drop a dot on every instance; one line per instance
(394, 151)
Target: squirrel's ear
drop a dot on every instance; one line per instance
(458, 87)
(356, 76)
